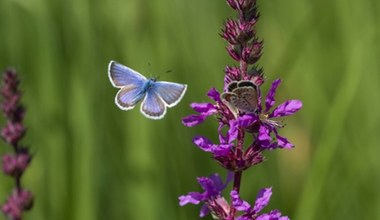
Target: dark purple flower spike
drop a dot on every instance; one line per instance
(14, 164)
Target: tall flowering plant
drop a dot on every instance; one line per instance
(14, 164)
(240, 110)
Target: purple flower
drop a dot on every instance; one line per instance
(14, 165)
(11, 96)
(252, 213)
(207, 109)
(19, 201)
(268, 125)
(13, 132)
(213, 187)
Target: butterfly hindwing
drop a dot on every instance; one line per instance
(128, 96)
(247, 101)
(171, 93)
(153, 106)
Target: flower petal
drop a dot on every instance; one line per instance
(208, 185)
(203, 143)
(192, 197)
(289, 107)
(262, 199)
(222, 138)
(214, 94)
(229, 178)
(238, 203)
(221, 150)
(206, 145)
(273, 215)
(218, 182)
(193, 120)
(283, 142)
(204, 211)
(264, 136)
(269, 101)
(247, 120)
(207, 108)
(233, 132)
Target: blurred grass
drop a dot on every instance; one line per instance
(93, 161)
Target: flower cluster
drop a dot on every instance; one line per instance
(14, 164)
(240, 110)
(217, 205)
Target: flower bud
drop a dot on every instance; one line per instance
(13, 132)
(15, 165)
(19, 201)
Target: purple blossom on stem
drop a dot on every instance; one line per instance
(240, 112)
(252, 212)
(14, 164)
(19, 201)
(268, 125)
(213, 187)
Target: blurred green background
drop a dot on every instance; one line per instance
(94, 161)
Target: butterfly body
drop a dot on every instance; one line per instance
(156, 95)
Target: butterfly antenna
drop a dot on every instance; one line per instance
(150, 70)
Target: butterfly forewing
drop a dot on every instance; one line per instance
(153, 106)
(171, 93)
(121, 75)
(247, 99)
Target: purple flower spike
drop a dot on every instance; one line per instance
(14, 164)
(243, 114)
(213, 186)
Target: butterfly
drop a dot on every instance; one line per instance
(156, 95)
(242, 95)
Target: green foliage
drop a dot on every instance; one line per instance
(94, 161)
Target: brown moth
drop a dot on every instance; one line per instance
(242, 95)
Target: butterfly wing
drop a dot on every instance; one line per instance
(171, 93)
(247, 99)
(121, 75)
(130, 82)
(231, 99)
(153, 106)
(128, 96)
(243, 98)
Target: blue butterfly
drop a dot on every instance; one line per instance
(156, 95)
